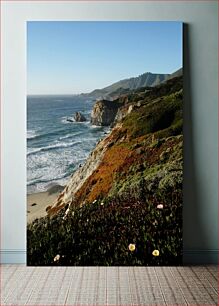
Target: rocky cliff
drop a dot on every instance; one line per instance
(129, 191)
(144, 123)
(104, 112)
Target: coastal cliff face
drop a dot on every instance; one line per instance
(130, 184)
(144, 130)
(104, 112)
(110, 112)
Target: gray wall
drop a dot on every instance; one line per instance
(200, 115)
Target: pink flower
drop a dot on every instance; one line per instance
(160, 206)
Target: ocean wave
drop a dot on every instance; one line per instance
(49, 180)
(96, 127)
(52, 147)
(31, 134)
(43, 187)
(66, 121)
(56, 147)
(70, 135)
(45, 135)
(40, 182)
(70, 169)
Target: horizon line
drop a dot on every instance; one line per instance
(85, 93)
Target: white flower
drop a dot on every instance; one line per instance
(102, 203)
(160, 206)
(57, 257)
(67, 211)
(155, 253)
(131, 247)
(94, 201)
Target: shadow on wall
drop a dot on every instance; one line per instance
(193, 230)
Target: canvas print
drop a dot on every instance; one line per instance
(104, 143)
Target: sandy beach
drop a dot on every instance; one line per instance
(37, 202)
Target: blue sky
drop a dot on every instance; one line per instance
(75, 57)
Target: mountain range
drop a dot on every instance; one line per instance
(146, 79)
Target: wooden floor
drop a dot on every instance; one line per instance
(23, 285)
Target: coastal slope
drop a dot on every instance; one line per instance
(128, 191)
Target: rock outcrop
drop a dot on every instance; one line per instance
(79, 117)
(104, 112)
(125, 110)
(70, 120)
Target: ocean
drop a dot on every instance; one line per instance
(55, 146)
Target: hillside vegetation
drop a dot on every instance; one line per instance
(129, 210)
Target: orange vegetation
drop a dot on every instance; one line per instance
(100, 182)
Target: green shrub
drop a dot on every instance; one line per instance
(100, 234)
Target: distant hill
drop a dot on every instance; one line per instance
(143, 80)
(175, 74)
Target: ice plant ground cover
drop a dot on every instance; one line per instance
(98, 234)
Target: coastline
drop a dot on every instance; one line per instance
(37, 202)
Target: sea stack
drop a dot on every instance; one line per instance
(79, 117)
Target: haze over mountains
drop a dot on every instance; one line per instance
(143, 80)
